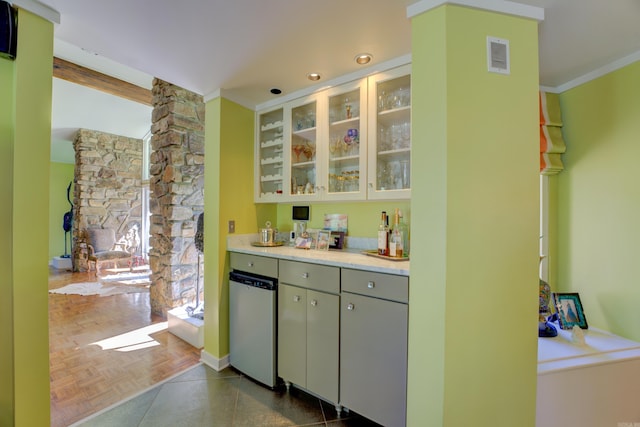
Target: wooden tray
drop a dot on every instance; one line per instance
(388, 258)
(267, 245)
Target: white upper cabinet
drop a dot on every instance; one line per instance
(350, 142)
(270, 156)
(389, 165)
(345, 161)
(304, 147)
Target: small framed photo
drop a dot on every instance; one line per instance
(570, 311)
(336, 240)
(304, 241)
(322, 243)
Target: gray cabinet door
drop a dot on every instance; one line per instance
(373, 358)
(292, 334)
(323, 344)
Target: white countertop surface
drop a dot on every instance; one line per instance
(347, 258)
(560, 353)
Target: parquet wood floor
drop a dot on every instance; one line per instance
(105, 349)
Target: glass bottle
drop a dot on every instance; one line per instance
(395, 240)
(404, 229)
(383, 235)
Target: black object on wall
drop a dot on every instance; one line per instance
(8, 30)
(199, 240)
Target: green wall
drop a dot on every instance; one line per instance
(25, 129)
(229, 196)
(7, 102)
(599, 200)
(365, 216)
(474, 268)
(60, 176)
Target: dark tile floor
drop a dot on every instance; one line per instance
(203, 397)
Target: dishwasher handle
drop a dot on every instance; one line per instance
(253, 280)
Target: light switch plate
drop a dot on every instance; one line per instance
(232, 226)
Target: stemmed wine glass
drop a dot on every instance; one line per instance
(297, 150)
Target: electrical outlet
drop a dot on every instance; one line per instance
(232, 226)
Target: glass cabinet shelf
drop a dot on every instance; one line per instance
(389, 165)
(269, 154)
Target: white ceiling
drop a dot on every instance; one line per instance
(246, 47)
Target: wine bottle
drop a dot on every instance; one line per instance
(395, 239)
(404, 229)
(383, 235)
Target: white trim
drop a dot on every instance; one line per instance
(39, 9)
(501, 6)
(548, 89)
(212, 95)
(213, 362)
(222, 93)
(598, 72)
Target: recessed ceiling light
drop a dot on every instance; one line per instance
(314, 77)
(275, 91)
(363, 58)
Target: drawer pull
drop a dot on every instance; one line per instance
(314, 302)
(305, 275)
(296, 298)
(250, 263)
(350, 307)
(371, 285)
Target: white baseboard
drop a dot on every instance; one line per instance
(213, 362)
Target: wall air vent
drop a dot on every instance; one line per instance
(498, 55)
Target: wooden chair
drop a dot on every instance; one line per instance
(104, 248)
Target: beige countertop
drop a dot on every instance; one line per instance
(346, 258)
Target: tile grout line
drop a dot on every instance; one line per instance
(235, 404)
(157, 385)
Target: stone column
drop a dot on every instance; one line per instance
(177, 194)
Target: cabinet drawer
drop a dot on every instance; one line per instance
(312, 276)
(254, 264)
(378, 285)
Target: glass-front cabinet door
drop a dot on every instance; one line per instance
(270, 156)
(346, 141)
(303, 147)
(389, 164)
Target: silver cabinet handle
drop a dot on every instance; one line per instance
(305, 275)
(296, 298)
(371, 285)
(314, 302)
(350, 307)
(250, 263)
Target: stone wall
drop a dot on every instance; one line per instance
(177, 194)
(108, 192)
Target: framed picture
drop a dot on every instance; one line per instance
(322, 244)
(336, 240)
(570, 311)
(303, 241)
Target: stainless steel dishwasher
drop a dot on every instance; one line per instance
(252, 326)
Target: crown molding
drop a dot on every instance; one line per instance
(597, 73)
(39, 9)
(501, 6)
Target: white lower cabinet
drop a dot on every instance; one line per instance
(308, 329)
(373, 346)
